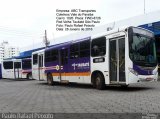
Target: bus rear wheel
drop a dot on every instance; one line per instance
(49, 79)
(99, 81)
(124, 86)
(29, 76)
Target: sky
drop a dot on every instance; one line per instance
(23, 22)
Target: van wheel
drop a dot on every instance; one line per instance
(49, 79)
(29, 76)
(99, 81)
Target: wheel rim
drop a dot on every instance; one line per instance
(98, 81)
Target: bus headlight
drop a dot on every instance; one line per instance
(154, 72)
(133, 71)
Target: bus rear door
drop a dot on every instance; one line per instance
(40, 67)
(63, 64)
(17, 70)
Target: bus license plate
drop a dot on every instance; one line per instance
(149, 79)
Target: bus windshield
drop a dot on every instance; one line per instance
(142, 49)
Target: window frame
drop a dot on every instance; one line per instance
(99, 49)
(7, 64)
(17, 65)
(85, 49)
(74, 52)
(26, 64)
(35, 60)
(52, 55)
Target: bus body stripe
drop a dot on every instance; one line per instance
(72, 74)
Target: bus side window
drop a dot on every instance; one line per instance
(17, 65)
(8, 65)
(26, 64)
(35, 58)
(74, 51)
(85, 49)
(51, 55)
(47, 56)
(54, 55)
(98, 47)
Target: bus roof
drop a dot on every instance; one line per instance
(109, 32)
(38, 51)
(11, 59)
(67, 43)
(117, 30)
(26, 59)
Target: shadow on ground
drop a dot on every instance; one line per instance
(107, 88)
(9, 80)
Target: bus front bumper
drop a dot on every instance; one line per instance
(142, 78)
(148, 78)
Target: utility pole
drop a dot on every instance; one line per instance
(46, 41)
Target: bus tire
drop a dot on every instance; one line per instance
(94, 83)
(29, 76)
(99, 81)
(124, 86)
(49, 79)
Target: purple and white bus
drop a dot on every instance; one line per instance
(17, 68)
(120, 57)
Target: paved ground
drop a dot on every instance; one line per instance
(35, 96)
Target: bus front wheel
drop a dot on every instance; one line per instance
(99, 81)
(49, 79)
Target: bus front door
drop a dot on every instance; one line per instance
(17, 70)
(117, 60)
(63, 64)
(40, 67)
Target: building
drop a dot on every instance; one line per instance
(1, 53)
(8, 51)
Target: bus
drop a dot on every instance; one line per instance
(158, 52)
(118, 57)
(17, 68)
